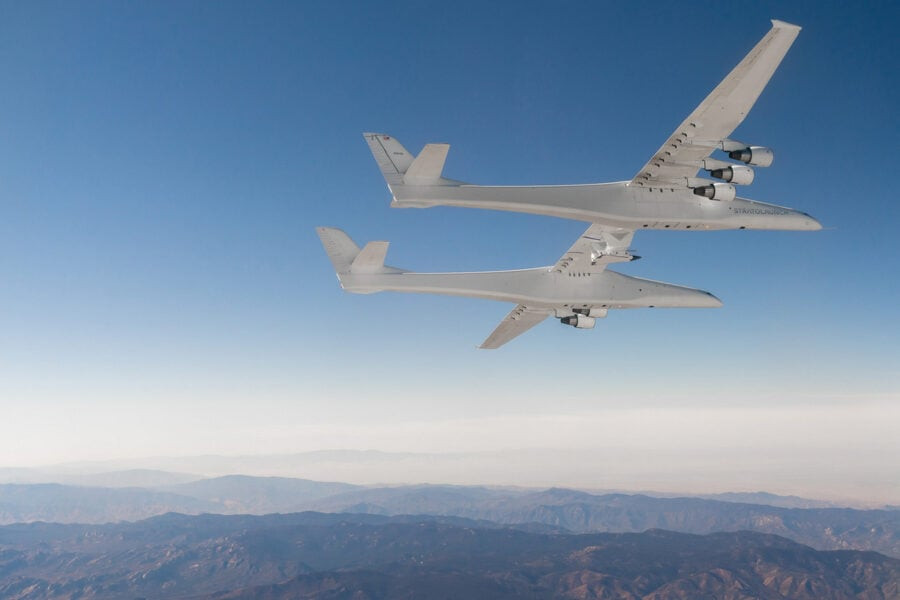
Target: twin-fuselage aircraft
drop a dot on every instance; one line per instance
(666, 193)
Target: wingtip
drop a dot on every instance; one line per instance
(784, 25)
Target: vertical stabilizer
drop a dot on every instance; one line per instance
(340, 248)
(391, 156)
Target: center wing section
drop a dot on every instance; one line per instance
(597, 247)
(708, 127)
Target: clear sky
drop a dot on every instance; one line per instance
(163, 166)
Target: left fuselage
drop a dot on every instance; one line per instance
(538, 288)
(616, 204)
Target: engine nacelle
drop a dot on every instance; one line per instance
(717, 191)
(758, 156)
(579, 321)
(738, 174)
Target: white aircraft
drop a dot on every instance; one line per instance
(577, 289)
(665, 194)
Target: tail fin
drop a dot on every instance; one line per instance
(399, 167)
(348, 258)
(391, 156)
(340, 248)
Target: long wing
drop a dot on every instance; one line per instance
(719, 114)
(597, 247)
(518, 321)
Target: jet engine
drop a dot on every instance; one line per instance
(738, 174)
(717, 191)
(580, 321)
(759, 156)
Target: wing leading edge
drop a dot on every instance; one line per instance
(719, 114)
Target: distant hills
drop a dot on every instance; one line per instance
(580, 512)
(769, 499)
(336, 556)
(260, 495)
(558, 509)
(58, 503)
(115, 479)
(545, 467)
(232, 494)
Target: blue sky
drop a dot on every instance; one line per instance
(163, 165)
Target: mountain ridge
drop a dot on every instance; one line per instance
(559, 508)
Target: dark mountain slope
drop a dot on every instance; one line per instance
(312, 555)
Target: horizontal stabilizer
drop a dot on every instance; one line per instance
(371, 258)
(428, 165)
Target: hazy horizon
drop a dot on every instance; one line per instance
(678, 452)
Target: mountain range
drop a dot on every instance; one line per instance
(336, 556)
(562, 509)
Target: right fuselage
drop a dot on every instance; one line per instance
(616, 204)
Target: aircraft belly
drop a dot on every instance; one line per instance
(593, 203)
(535, 287)
(614, 204)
